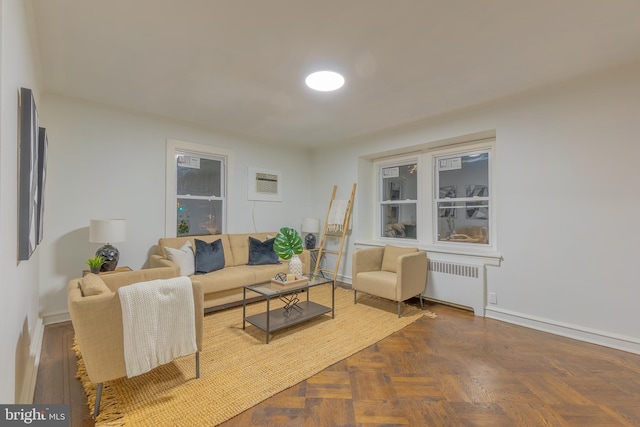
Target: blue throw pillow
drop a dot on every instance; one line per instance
(261, 253)
(209, 256)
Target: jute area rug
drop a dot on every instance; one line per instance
(238, 370)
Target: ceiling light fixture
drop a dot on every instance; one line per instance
(324, 81)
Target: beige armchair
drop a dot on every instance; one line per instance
(389, 272)
(97, 321)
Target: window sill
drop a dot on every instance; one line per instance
(487, 256)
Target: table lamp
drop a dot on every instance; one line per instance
(310, 226)
(107, 231)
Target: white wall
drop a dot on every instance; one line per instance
(566, 176)
(19, 323)
(107, 163)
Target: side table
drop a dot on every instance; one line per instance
(117, 270)
(314, 260)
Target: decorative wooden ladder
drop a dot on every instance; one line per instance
(332, 233)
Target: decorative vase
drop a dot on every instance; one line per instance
(94, 270)
(295, 265)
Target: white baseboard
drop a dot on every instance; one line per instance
(31, 371)
(50, 319)
(593, 336)
(343, 279)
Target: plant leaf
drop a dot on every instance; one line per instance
(96, 261)
(287, 243)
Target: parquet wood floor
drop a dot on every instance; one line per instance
(455, 370)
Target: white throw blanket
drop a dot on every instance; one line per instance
(158, 320)
(337, 213)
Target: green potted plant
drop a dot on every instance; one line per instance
(95, 264)
(288, 245)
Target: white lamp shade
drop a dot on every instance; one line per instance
(310, 225)
(107, 230)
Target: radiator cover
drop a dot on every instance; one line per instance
(457, 283)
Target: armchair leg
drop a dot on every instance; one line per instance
(96, 407)
(354, 296)
(197, 364)
(399, 308)
(421, 304)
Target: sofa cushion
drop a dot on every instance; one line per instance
(227, 278)
(379, 283)
(261, 253)
(209, 256)
(183, 257)
(264, 273)
(391, 254)
(92, 284)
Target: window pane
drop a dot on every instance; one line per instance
(464, 222)
(199, 176)
(197, 217)
(400, 182)
(462, 172)
(399, 220)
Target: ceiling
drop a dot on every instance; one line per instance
(239, 66)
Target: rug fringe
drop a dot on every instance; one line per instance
(109, 415)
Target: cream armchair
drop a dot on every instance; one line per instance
(97, 321)
(389, 272)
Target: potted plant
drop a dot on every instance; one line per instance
(288, 245)
(95, 264)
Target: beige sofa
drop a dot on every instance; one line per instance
(224, 287)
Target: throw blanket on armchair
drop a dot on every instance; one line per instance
(158, 320)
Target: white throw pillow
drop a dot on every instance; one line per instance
(184, 258)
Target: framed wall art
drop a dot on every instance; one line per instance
(27, 174)
(477, 210)
(42, 179)
(446, 209)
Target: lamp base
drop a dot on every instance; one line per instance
(110, 256)
(310, 241)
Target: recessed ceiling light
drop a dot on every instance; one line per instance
(324, 81)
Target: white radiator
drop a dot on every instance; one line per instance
(456, 283)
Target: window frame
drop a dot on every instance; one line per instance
(426, 208)
(175, 147)
(377, 170)
(466, 150)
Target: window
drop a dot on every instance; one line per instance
(199, 199)
(196, 189)
(462, 197)
(398, 198)
(439, 196)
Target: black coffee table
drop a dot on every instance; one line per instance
(294, 311)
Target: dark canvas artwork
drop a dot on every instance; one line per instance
(27, 175)
(476, 209)
(450, 192)
(42, 179)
